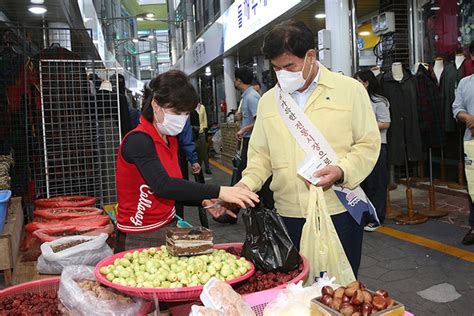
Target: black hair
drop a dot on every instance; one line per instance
(170, 89)
(290, 36)
(471, 48)
(374, 89)
(245, 74)
(255, 82)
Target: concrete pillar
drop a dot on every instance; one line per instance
(229, 67)
(337, 21)
(190, 33)
(172, 34)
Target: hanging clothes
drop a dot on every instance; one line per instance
(404, 132)
(430, 109)
(447, 85)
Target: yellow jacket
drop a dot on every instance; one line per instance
(202, 118)
(340, 108)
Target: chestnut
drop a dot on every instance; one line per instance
(382, 292)
(346, 309)
(357, 298)
(350, 291)
(326, 300)
(327, 290)
(346, 299)
(366, 309)
(355, 284)
(339, 292)
(336, 303)
(356, 314)
(379, 302)
(390, 301)
(367, 296)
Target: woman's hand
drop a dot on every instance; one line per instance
(220, 208)
(238, 195)
(196, 167)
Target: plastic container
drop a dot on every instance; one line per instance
(163, 294)
(259, 300)
(5, 196)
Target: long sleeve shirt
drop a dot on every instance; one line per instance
(340, 108)
(464, 101)
(186, 143)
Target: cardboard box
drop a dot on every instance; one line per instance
(319, 309)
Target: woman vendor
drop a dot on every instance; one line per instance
(149, 180)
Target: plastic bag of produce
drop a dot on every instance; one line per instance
(62, 213)
(74, 250)
(81, 294)
(51, 234)
(267, 243)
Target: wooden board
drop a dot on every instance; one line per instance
(10, 239)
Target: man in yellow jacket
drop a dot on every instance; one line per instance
(340, 108)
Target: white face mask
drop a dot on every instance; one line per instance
(172, 124)
(290, 81)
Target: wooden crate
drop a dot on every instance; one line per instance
(229, 143)
(10, 239)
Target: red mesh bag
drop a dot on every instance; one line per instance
(63, 213)
(88, 220)
(66, 201)
(50, 234)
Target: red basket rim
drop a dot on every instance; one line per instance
(145, 292)
(28, 285)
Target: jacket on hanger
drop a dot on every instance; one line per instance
(448, 83)
(430, 110)
(404, 132)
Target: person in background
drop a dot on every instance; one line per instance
(148, 177)
(201, 143)
(125, 122)
(375, 185)
(463, 110)
(247, 110)
(340, 108)
(134, 114)
(187, 153)
(256, 86)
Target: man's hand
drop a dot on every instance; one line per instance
(196, 168)
(240, 134)
(328, 175)
(238, 116)
(470, 121)
(220, 210)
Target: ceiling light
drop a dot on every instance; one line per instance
(151, 36)
(364, 33)
(153, 51)
(139, 19)
(435, 8)
(150, 15)
(37, 1)
(135, 40)
(37, 10)
(320, 16)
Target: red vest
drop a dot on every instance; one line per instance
(139, 210)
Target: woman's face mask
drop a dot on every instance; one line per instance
(290, 81)
(172, 124)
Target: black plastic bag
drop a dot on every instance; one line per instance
(267, 243)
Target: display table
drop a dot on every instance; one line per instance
(229, 142)
(10, 239)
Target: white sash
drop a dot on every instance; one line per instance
(312, 141)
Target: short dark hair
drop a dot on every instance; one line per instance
(471, 48)
(170, 89)
(244, 73)
(290, 36)
(255, 82)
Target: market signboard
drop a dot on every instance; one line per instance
(245, 17)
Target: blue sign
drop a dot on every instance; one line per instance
(360, 43)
